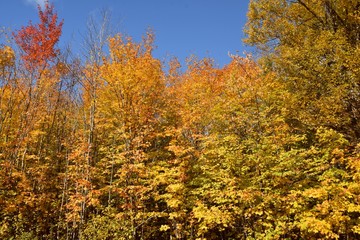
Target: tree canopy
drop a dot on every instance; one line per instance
(120, 145)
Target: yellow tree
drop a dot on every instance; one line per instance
(193, 94)
(128, 118)
(35, 103)
(84, 149)
(313, 46)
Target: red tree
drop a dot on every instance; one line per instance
(38, 41)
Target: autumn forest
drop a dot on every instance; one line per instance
(121, 145)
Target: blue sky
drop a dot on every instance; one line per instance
(205, 28)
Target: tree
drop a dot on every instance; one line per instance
(313, 47)
(128, 119)
(310, 47)
(36, 102)
(38, 42)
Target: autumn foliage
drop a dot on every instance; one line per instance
(38, 42)
(114, 146)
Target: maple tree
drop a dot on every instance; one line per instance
(129, 108)
(313, 47)
(38, 42)
(36, 104)
(309, 46)
(120, 146)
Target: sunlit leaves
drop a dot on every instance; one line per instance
(311, 45)
(37, 42)
(265, 149)
(7, 57)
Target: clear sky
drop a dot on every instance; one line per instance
(205, 28)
